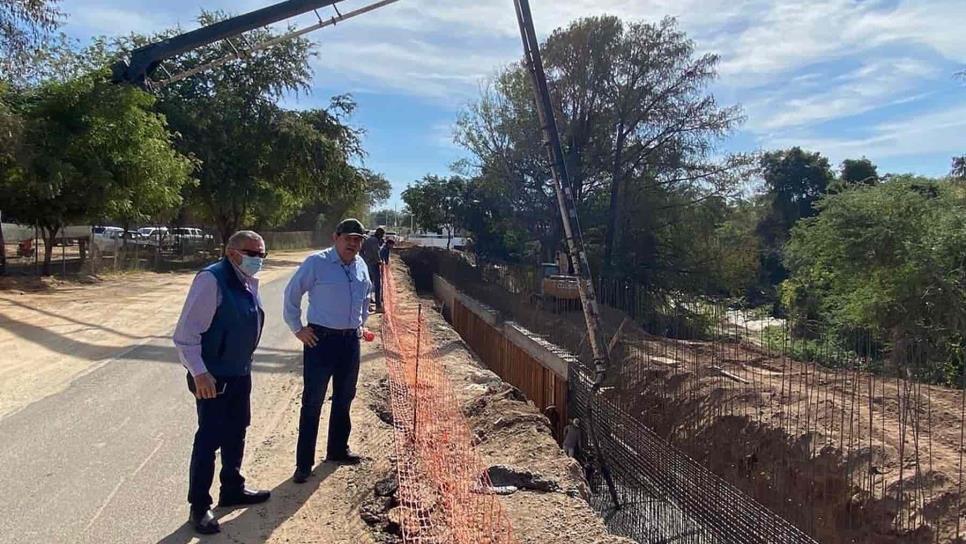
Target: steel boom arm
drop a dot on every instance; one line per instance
(145, 60)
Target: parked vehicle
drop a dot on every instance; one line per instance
(151, 236)
(107, 239)
(190, 239)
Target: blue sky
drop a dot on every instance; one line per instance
(848, 78)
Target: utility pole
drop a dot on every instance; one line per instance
(571, 224)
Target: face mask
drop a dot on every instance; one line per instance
(251, 265)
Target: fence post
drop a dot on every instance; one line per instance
(419, 326)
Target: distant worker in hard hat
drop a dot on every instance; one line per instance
(572, 434)
(337, 282)
(370, 252)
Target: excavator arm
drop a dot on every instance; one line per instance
(145, 60)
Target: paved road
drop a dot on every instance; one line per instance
(106, 459)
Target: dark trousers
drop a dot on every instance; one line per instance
(334, 357)
(222, 423)
(376, 277)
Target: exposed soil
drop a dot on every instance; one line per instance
(53, 331)
(848, 456)
(845, 455)
(512, 433)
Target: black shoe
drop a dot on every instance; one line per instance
(244, 497)
(204, 522)
(347, 458)
(301, 475)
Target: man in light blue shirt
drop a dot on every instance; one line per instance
(337, 281)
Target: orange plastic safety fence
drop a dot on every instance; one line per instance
(445, 492)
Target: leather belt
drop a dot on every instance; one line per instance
(326, 331)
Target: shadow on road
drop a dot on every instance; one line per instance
(266, 359)
(89, 325)
(258, 522)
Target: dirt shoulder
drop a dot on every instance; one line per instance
(353, 505)
(54, 331)
(550, 506)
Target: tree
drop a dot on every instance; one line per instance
(794, 181)
(859, 171)
(260, 164)
(389, 217)
(887, 260)
(24, 27)
(375, 189)
(958, 170)
(488, 217)
(437, 203)
(10, 127)
(633, 110)
(90, 149)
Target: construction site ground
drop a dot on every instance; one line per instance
(97, 426)
(785, 431)
(847, 455)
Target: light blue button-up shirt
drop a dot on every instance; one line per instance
(338, 292)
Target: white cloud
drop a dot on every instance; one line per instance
(754, 37)
(412, 66)
(807, 99)
(794, 63)
(938, 131)
(107, 20)
(787, 36)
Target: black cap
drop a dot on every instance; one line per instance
(352, 227)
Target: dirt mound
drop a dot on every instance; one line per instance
(514, 439)
(845, 455)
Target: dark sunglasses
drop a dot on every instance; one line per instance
(252, 253)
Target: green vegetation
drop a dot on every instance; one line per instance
(215, 148)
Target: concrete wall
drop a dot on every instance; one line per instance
(550, 356)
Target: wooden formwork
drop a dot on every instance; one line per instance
(514, 365)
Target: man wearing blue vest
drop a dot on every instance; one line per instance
(216, 337)
(337, 281)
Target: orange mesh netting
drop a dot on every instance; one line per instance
(445, 492)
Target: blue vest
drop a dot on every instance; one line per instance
(229, 343)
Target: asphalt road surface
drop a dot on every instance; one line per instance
(106, 460)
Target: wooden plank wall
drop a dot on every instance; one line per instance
(513, 364)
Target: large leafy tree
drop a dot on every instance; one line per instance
(259, 164)
(794, 181)
(10, 127)
(636, 119)
(89, 149)
(437, 203)
(859, 171)
(887, 260)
